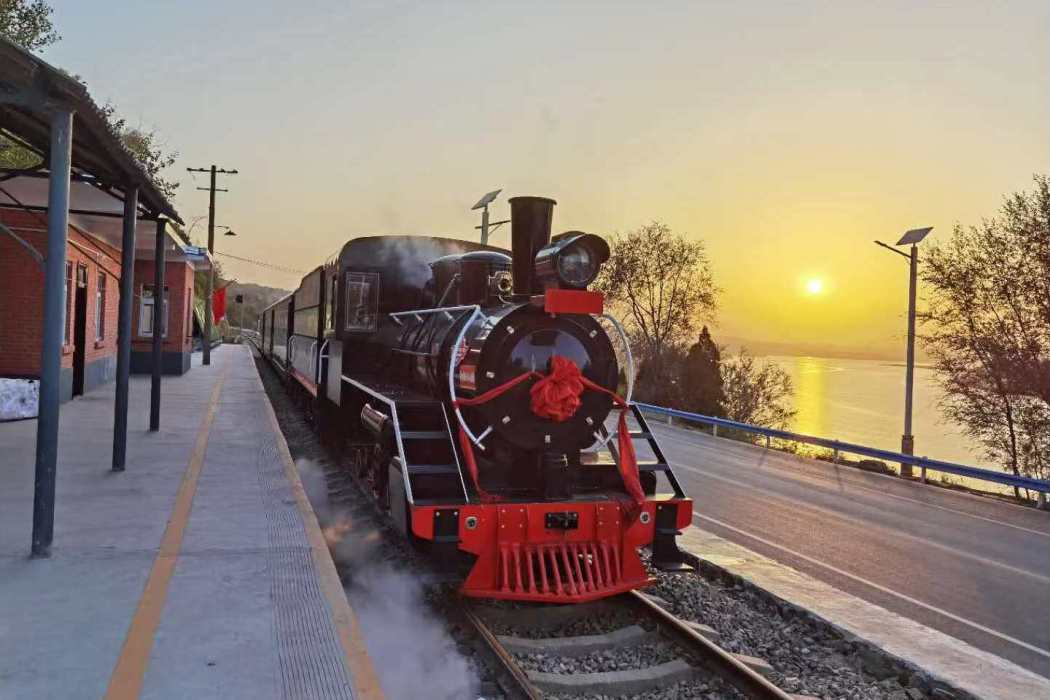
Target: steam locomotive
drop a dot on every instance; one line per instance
(475, 393)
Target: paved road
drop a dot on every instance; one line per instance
(971, 567)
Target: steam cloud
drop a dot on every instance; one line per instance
(413, 654)
(412, 257)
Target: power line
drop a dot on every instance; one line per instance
(260, 263)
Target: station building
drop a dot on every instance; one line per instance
(91, 294)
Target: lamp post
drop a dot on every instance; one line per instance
(486, 227)
(912, 238)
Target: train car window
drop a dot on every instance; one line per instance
(362, 301)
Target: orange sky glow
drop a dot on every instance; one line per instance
(786, 135)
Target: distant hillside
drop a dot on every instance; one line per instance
(256, 298)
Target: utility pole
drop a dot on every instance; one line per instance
(211, 189)
(913, 237)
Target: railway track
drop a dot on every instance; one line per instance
(516, 635)
(666, 652)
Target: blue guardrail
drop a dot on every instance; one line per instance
(1023, 482)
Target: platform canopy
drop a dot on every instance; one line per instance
(87, 178)
(95, 211)
(31, 89)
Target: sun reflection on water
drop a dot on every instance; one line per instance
(809, 396)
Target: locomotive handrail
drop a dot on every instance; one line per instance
(320, 356)
(453, 352)
(392, 405)
(419, 312)
(627, 350)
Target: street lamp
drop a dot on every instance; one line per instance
(483, 205)
(912, 238)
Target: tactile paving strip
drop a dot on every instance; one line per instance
(308, 648)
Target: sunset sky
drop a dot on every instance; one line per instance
(786, 135)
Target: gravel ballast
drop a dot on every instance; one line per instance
(808, 655)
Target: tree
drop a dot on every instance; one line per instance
(659, 379)
(701, 377)
(756, 394)
(144, 146)
(27, 23)
(664, 284)
(987, 330)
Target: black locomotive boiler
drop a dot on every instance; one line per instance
(475, 390)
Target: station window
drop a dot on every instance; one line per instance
(68, 305)
(362, 301)
(100, 307)
(146, 313)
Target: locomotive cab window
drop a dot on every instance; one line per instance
(362, 301)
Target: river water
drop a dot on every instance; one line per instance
(862, 401)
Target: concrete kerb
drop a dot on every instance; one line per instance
(364, 678)
(1010, 682)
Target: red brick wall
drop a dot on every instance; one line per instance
(22, 294)
(178, 278)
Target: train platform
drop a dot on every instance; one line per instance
(200, 572)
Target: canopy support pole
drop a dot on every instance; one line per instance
(127, 295)
(53, 333)
(158, 327)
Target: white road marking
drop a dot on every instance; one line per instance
(824, 479)
(867, 524)
(853, 577)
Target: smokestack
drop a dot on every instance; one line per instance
(530, 230)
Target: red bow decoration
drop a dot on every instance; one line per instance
(556, 397)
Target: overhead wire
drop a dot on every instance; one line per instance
(261, 263)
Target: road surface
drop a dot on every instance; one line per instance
(969, 566)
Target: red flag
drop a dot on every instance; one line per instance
(218, 304)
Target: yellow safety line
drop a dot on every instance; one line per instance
(126, 681)
(363, 674)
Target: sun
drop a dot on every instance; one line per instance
(814, 286)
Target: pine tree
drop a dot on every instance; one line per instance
(702, 388)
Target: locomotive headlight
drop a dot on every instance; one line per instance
(571, 261)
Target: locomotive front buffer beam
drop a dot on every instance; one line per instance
(556, 552)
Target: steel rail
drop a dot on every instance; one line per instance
(523, 686)
(711, 656)
(716, 659)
